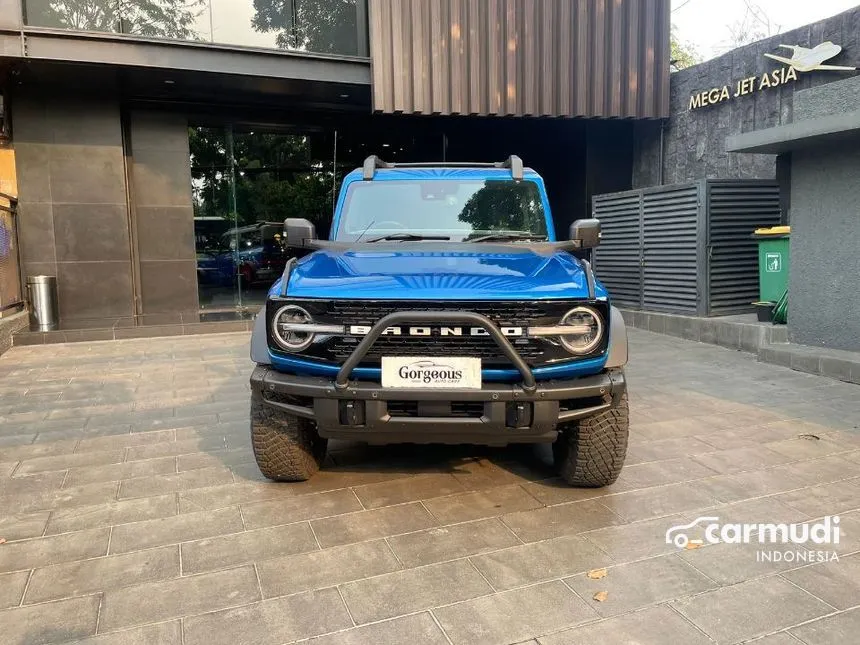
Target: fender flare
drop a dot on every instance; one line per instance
(617, 340)
(259, 337)
(259, 343)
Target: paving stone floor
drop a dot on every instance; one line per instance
(133, 513)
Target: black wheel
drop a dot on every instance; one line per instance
(590, 452)
(286, 448)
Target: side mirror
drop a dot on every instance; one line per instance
(297, 230)
(586, 232)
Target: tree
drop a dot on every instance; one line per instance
(327, 26)
(273, 176)
(157, 18)
(755, 25)
(162, 18)
(504, 206)
(682, 54)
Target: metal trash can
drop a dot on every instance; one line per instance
(44, 310)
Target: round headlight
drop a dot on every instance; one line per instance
(290, 339)
(586, 330)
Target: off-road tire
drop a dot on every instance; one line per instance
(590, 452)
(287, 448)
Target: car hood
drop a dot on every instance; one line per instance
(433, 271)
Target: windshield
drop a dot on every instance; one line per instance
(460, 210)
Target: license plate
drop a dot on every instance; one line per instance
(424, 372)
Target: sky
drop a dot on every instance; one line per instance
(706, 23)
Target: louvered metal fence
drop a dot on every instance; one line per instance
(684, 248)
(10, 276)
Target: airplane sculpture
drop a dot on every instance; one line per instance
(807, 60)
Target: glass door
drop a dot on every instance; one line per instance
(245, 183)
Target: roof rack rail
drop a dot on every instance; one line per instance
(373, 162)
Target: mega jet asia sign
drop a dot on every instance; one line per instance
(803, 59)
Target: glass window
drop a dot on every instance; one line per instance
(80, 15)
(323, 26)
(236, 22)
(244, 185)
(327, 26)
(174, 19)
(461, 210)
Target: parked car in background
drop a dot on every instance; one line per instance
(256, 253)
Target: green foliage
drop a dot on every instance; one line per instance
(780, 310)
(156, 18)
(307, 195)
(327, 26)
(273, 176)
(505, 206)
(682, 54)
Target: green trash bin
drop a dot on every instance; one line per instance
(773, 261)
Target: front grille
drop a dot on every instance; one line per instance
(462, 409)
(534, 351)
(403, 408)
(513, 314)
(357, 312)
(470, 409)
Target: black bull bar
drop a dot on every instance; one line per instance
(359, 410)
(466, 317)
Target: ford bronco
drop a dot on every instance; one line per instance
(441, 310)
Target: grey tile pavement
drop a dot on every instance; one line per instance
(749, 609)
(326, 568)
(652, 626)
(12, 586)
(449, 542)
(548, 559)
(280, 620)
(415, 628)
(639, 584)
(838, 628)
(512, 616)
(100, 574)
(133, 513)
(410, 590)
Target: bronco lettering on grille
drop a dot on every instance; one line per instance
(363, 330)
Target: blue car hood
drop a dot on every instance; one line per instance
(432, 271)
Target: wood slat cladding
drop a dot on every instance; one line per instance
(569, 58)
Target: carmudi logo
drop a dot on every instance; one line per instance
(810, 536)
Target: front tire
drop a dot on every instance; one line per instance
(590, 452)
(287, 448)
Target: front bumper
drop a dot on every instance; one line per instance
(497, 414)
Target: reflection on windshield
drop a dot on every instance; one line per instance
(459, 210)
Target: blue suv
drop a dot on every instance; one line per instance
(441, 310)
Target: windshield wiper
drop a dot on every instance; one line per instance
(498, 237)
(407, 237)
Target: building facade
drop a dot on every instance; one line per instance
(694, 140)
(821, 149)
(154, 138)
(773, 111)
